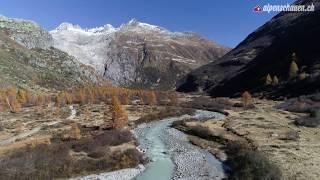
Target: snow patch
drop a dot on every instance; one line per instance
(188, 61)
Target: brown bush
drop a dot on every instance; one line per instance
(268, 80)
(125, 99)
(11, 100)
(302, 104)
(290, 135)
(312, 121)
(200, 131)
(87, 113)
(107, 138)
(31, 99)
(38, 162)
(22, 96)
(293, 70)
(174, 99)
(165, 113)
(141, 96)
(80, 97)
(152, 98)
(40, 100)
(119, 116)
(302, 76)
(1, 107)
(211, 104)
(68, 98)
(130, 158)
(275, 80)
(247, 99)
(54, 161)
(246, 163)
(83, 95)
(75, 132)
(60, 99)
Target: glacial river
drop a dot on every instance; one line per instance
(172, 156)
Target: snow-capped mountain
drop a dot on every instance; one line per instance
(137, 54)
(28, 60)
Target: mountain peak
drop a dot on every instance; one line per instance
(17, 23)
(101, 29)
(67, 26)
(26, 32)
(133, 21)
(136, 25)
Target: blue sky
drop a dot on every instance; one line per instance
(225, 21)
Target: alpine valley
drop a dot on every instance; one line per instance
(141, 102)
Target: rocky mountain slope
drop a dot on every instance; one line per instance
(28, 61)
(137, 54)
(268, 50)
(26, 33)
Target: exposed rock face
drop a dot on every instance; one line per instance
(267, 50)
(41, 68)
(26, 33)
(137, 54)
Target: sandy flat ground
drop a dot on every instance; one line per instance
(268, 129)
(29, 127)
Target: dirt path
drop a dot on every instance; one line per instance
(35, 130)
(20, 136)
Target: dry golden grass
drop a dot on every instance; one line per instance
(273, 132)
(12, 98)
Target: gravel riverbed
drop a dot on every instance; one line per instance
(190, 162)
(122, 174)
(171, 155)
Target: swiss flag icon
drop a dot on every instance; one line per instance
(257, 9)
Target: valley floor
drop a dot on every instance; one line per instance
(23, 135)
(272, 131)
(36, 126)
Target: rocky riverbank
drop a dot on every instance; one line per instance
(170, 154)
(129, 173)
(167, 142)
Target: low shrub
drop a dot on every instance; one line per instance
(248, 164)
(201, 131)
(130, 158)
(290, 136)
(205, 133)
(302, 104)
(312, 121)
(247, 100)
(55, 160)
(308, 122)
(107, 138)
(179, 123)
(98, 152)
(165, 113)
(40, 162)
(114, 137)
(210, 104)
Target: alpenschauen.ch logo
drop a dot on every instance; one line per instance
(288, 8)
